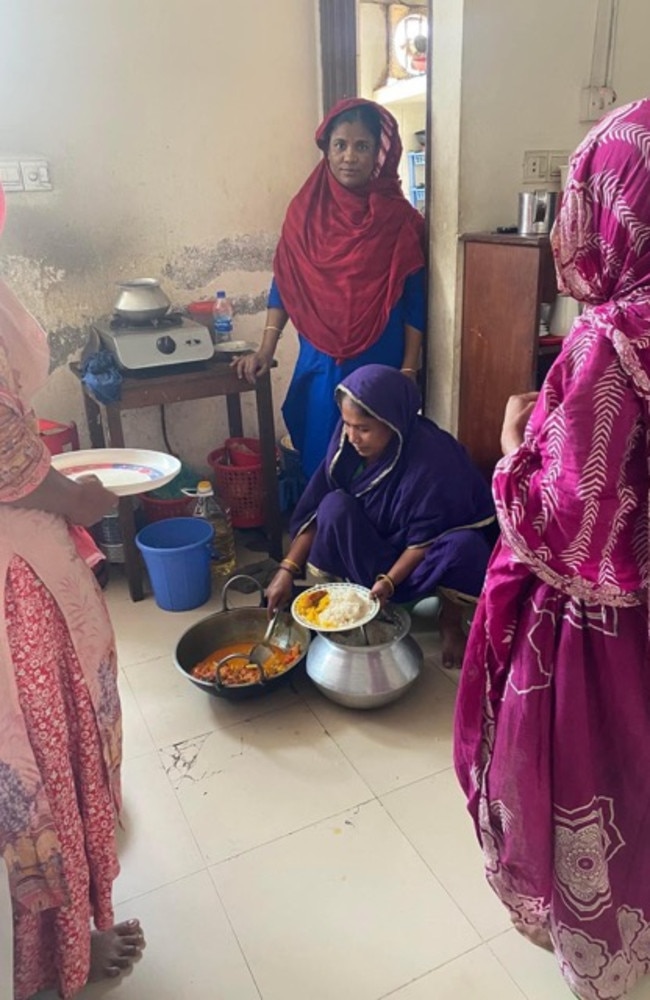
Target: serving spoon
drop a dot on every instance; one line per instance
(261, 651)
(258, 655)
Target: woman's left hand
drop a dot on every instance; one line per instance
(382, 590)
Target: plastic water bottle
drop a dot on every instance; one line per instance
(213, 510)
(222, 318)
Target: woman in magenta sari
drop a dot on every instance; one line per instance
(396, 506)
(553, 721)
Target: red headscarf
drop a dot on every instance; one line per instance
(344, 255)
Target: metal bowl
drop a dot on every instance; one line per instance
(237, 625)
(141, 300)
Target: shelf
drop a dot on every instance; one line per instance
(507, 239)
(409, 91)
(417, 190)
(549, 345)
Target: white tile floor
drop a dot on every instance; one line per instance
(289, 849)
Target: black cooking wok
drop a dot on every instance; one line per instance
(237, 625)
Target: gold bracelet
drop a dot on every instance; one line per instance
(386, 577)
(291, 566)
(276, 329)
(414, 370)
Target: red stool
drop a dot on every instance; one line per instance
(59, 437)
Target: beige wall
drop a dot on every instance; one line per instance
(511, 73)
(176, 132)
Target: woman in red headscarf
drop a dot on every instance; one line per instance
(348, 272)
(60, 722)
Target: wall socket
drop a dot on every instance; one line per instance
(543, 165)
(535, 166)
(29, 173)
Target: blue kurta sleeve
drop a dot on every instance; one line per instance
(414, 299)
(274, 300)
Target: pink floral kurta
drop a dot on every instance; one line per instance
(60, 729)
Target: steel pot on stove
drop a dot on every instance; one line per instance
(141, 300)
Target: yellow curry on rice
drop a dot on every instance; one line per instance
(338, 608)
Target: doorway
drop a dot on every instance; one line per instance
(392, 70)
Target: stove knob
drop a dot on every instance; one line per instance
(166, 344)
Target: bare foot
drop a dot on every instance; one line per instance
(115, 950)
(453, 638)
(536, 935)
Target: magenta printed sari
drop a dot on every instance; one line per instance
(552, 743)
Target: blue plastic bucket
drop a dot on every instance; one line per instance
(176, 553)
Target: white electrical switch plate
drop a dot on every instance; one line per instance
(11, 177)
(535, 166)
(36, 175)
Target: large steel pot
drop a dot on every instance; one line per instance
(369, 667)
(141, 300)
(237, 625)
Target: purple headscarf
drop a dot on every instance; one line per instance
(423, 484)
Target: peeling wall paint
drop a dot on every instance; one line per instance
(66, 343)
(196, 266)
(31, 280)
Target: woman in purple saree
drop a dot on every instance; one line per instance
(553, 719)
(395, 506)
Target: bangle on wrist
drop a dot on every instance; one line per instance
(292, 564)
(275, 329)
(381, 577)
(291, 567)
(414, 371)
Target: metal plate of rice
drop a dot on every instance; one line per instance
(334, 607)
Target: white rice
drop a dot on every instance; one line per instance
(346, 607)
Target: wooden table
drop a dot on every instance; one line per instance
(215, 378)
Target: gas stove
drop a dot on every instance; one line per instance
(163, 343)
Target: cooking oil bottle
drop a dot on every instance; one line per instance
(213, 510)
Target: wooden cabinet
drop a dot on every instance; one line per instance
(506, 278)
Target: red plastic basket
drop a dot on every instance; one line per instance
(241, 487)
(156, 509)
(244, 452)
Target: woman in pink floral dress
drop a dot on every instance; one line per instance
(60, 726)
(553, 721)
